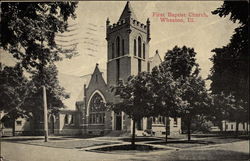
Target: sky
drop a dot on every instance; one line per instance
(205, 34)
(88, 31)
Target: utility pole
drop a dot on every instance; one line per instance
(45, 115)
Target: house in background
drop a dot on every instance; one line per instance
(21, 126)
(231, 126)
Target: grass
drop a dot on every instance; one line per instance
(200, 141)
(58, 142)
(184, 143)
(76, 144)
(140, 139)
(70, 142)
(204, 155)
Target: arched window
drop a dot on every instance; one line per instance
(123, 47)
(134, 47)
(139, 46)
(144, 52)
(96, 110)
(118, 46)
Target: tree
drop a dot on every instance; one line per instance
(230, 71)
(166, 94)
(227, 108)
(23, 98)
(135, 97)
(221, 105)
(55, 93)
(181, 62)
(196, 100)
(28, 31)
(13, 92)
(238, 112)
(194, 96)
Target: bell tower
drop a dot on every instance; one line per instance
(128, 46)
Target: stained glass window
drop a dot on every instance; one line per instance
(97, 110)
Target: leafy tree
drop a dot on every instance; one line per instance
(13, 85)
(238, 112)
(166, 94)
(196, 100)
(226, 107)
(181, 62)
(23, 98)
(28, 30)
(230, 71)
(55, 93)
(201, 123)
(194, 97)
(221, 105)
(135, 99)
(13, 92)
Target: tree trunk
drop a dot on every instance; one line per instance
(133, 135)
(166, 122)
(237, 128)
(221, 127)
(247, 128)
(33, 126)
(14, 127)
(189, 130)
(225, 130)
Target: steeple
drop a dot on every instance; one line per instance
(128, 46)
(127, 12)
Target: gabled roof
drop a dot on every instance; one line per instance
(155, 60)
(74, 86)
(97, 71)
(127, 11)
(155, 57)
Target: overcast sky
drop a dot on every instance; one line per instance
(205, 34)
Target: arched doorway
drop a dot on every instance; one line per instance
(51, 124)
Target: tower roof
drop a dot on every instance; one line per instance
(127, 11)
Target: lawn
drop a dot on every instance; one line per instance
(79, 142)
(58, 142)
(204, 155)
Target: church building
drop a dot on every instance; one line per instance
(127, 54)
